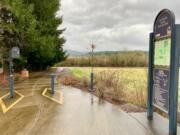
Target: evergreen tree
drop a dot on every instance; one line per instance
(50, 47)
(34, 30)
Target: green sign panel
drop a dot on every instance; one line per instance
(162, 52)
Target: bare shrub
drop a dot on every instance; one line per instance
(118, 88)
(100, 89)
(114, 85)
(84, 81)
(139, 94)
(110, 84)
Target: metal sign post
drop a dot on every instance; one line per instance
(164, 68)
(150, 78)
(53, 76)
(14, 53)
(174, 76)
(11, 80)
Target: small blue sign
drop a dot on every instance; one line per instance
(15, 52)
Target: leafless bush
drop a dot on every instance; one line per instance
(84, 81)
(119, 59)
(100, 89)
(110, 84)
(113, 84)
(139, 94)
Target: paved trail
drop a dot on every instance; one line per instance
(37, 115)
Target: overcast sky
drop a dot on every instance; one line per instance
(111, 25)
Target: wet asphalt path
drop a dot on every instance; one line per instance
(37, 115)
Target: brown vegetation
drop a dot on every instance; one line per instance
(123, 59)
(113, 85)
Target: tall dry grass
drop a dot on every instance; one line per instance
(114, 85)
(123, 59)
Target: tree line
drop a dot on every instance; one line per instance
(32, 26)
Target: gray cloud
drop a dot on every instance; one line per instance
(111, 24)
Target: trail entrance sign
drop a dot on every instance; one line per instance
(163, 26)
(163, 70)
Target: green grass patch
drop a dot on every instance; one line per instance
(79, 73)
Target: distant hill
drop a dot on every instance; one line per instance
(75, 53)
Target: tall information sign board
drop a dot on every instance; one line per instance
(164, 67)
(162, 53)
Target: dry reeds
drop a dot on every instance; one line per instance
(121, 59)
(114, 85)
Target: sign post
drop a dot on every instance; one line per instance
(164, 68)
(150, 78)
(174, 76)
(14, 53)
(53, 76)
